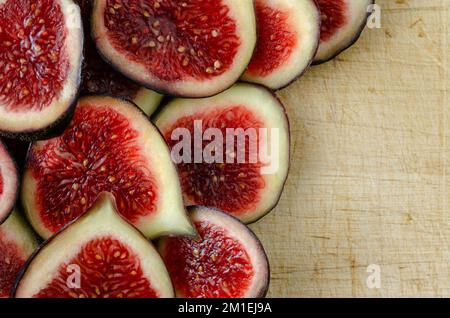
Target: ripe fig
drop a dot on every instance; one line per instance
(185, 48)
(342, 24)
(17, 243)
(110, 145)
(288, 37)
(41, 46)
(226, 261)
(9, 183)
(98, 256)
(232, 149)
(99, 78)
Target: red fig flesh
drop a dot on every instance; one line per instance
(99, 78)
(226, 261)
(111, 146)
(41, 43)
(98, 256)
(342, 24)
(193, 49)
(230, 174)
(288, 37)
(17, 243)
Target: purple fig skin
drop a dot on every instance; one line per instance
(350, 44)
(52, 130)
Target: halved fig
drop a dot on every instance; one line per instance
(225, 261)
(288, 37)
(342, 24)
(17, 243)
(219, 144)
(98, 256)
(110, 145)
(41, 46)
(9, 183)
(184, 48)
(99, 78)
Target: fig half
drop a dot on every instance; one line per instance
(9, 183)
(41, 45)
(17, 243)
(219, 144)
(185, 48)
(225, 261)
(288, 37)
(110, 145)
(99, 78)
(98, 256)
(342, 24)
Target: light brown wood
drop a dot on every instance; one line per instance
(369, 177)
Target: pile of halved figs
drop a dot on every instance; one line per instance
(118, 175)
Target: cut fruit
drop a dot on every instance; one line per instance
(342, 23)
(98, 256)
(191, 49)
(110, 146)
(219, 144)
(99, 78)
(17, 243)
(9, 183)
(288, 37)
(41, 45)
(226, 261)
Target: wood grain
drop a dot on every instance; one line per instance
(370, 163)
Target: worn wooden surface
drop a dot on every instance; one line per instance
(370, 159)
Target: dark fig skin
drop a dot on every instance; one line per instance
(166, 101)
(355, 39)
(52, 130)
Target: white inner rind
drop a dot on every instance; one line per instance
(263, 105)
(147, 100)
(101, 221)
(18, 231)
(170, 215)
(9, 177)
(242, 234)
(304, 20)
(357, 15)
(242, 11)
(35, 120)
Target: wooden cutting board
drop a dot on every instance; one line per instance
(370, 159)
